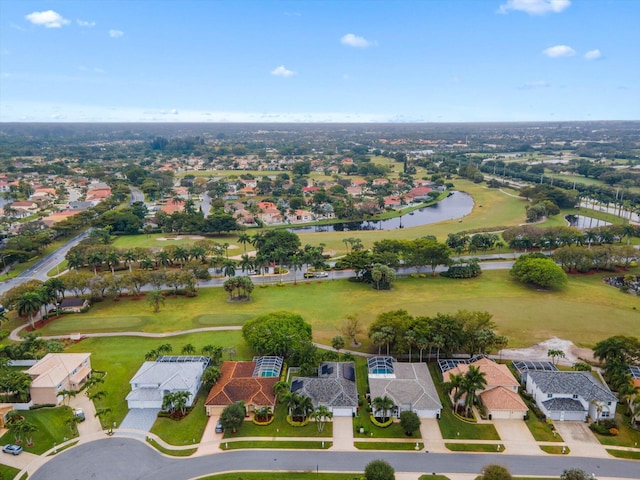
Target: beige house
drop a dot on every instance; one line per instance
(500, 396)
(56, 372)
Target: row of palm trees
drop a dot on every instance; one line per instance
(36, 301)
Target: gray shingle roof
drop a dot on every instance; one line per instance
(583, 384)
(413, 386)
(563, 404)
(331, 388)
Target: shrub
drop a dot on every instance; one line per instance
(613, 432)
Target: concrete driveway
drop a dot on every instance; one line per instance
(517, 438)
(91, 423)
(580, 439)
(343, 434)
(17, 461)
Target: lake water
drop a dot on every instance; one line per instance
(456, 205)
(585, 222)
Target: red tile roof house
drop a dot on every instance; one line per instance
(244, 382)
(500, 396)
(418, 194)
(172, 207)
(25, 208)
(56, 372)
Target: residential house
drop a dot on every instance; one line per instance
(408, 385)
(56, 372)
(168, 374)
(172, 206)
(24, 208)
(248, 382)
(500, 395)
(334, 388)
(73, 305)
(568, 395)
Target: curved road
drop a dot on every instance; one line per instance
(127, 459)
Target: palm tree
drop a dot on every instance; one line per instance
(97, 395)
(321, 414)
(453, 385)
(246, 263)
(472, 381)
(305, 407)
(75, 260)
(95, 260)
(28, 429)
(383, 405)
(113, 260)
(263, 414)
(188, 349)
(155, 299)
(129, 257)
(164, 349)
(229, 269)
(180, 401)
(163, 259)
(244, 238)
(279, 389)
(28, 304)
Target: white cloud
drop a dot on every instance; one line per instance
(85, 23)
(281, 71)
(116, 33)
(47, 19)
(536, 84)
(558, 51)
(352, 40)
(535, 7)
(593, 54)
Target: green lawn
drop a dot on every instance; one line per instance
(51, 429)
(7, 472)
(555, 449)
(574, 313)
(627, 437)
(120, 358)
(280, 428)
(475, 447)
(283, 476)
(388, 445)
(433, 477)
(187, 430)
(174, 453)
(624, 454)
(289, 444)
(541, 431)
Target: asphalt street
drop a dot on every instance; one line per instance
(127, 459)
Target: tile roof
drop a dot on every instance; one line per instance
(237, 384)
(53, 368)
(583, 384)
(496, 374)
(501, 398)
(413, 386)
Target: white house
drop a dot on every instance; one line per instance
(566, 395)
(166, 375)
(408, 385)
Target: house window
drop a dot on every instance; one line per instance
(609, 403)
(59, 386)
(549, 395)
(575, 396)
(604, 414)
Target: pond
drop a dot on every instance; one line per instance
(456, 205)
(585, 222)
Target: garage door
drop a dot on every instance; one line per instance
(342, 412)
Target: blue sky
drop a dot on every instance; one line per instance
(332, 60)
